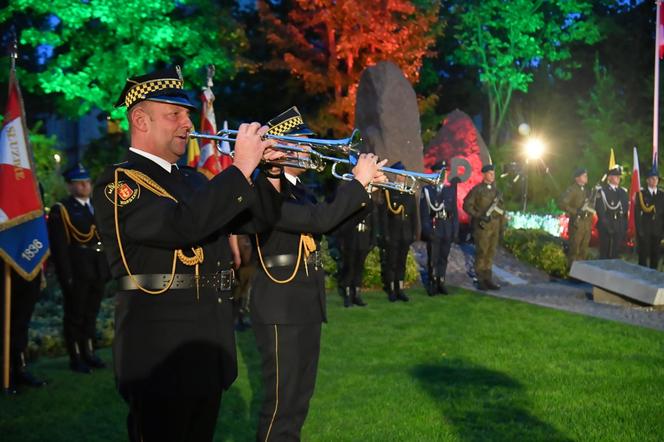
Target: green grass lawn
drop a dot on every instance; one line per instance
(465, 367)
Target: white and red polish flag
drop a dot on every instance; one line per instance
(23, 236)
(660, 29)
(634, 189)
(210, 160)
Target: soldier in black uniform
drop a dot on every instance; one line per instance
(356, 238)
(440, 225)
(24, 297)
(82, 270)
(649, 221)
(166, 238)
(611, 205)
(400, 221)
(288, 290)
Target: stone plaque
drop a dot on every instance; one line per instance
(632, 281)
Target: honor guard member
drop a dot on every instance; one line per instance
(288, 290)
(578, 203)
(166, 234)
(484, 203)
(81, 267)
(24, 297)
(649, 221)
(400, 232)
(611, 204)
(440, 225)
(356, 238)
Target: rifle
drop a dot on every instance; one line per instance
(493, 208)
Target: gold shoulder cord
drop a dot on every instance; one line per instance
(646, 209)
(307, 244)
(73, 232)
(397, 211)
(148, 183)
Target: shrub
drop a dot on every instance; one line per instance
(539, 249)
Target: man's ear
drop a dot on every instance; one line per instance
(139, 118)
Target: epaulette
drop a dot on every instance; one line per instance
(623, 188)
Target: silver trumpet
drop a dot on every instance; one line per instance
(344, 146)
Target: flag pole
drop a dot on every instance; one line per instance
(6, 330)
(655, 120)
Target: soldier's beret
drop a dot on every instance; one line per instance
(165, 86)
(616, 171)
(579, 171)
(398, 165)
(289, 122)
(76, 173)
(487, 168)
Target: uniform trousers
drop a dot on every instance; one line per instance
(610, 244)
(579, 233)
(438, 251)
(289, 358)
(81, 307)
(172, 419)
(486, 241)
(397, 254)
(648, 247)
(24, 297)
(352, 266)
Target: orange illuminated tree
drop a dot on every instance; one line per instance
(328, 43)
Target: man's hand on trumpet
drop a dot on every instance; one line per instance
(251, 148)
(366, 171)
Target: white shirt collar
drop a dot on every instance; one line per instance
(652, 189)
(160, 161)
(613, 187)
(82, 201)
(291, 178)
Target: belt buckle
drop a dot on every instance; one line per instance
(226, 279)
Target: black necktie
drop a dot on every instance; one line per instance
(89, 207)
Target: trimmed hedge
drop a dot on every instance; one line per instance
(539, 249)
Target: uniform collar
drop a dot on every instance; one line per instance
(82, 201)
(291, 178)
(154, 158)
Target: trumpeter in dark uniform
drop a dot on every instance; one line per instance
(24, 297)
(355, 238)
(166, 231)
(81, 267)
(649, 220)
(288, 290)
(440, 225)
(578, 204)
(612, 206)
(400, 221)
(484, 203)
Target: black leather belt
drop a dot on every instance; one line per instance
(315, 259)
(220, 281)
(97, 247)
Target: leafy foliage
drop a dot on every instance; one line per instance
(97, 44)
(538, 248)
(48, 169)
(328, 43)
(505, 41)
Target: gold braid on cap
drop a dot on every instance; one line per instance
(142, 89)
(285, 126)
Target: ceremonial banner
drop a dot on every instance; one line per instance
(23, 236)
(209, 162)
(633, 190)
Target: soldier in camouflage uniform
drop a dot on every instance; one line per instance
(578, 203)
(484, 203)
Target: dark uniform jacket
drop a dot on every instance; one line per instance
(400, 227)
(442, 223)
(612, 208)
(479, 201)
(73, 258)
(357, 233)
(174, 343)
(650, 222)
(302, 300)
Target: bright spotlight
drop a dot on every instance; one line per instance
(57, 158)
(534, 148)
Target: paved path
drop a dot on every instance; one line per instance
(522, 282)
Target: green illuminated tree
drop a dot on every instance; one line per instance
(89, 47)
(506, 41)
